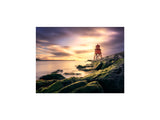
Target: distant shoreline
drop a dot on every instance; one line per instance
(55, 60)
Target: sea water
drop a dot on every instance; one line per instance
(47, 67)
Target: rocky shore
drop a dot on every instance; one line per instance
(107, 76)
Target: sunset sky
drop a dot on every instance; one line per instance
(77, 43)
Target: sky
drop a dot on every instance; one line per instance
(77, 43)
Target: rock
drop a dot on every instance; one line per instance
(92, 87)
(43, 83)
(72, 73)
(106, 64)
(77, 73)
(99, 66)
(90, 60)
(85, 68)
(88, 65)
(52, 88)
(58, 71)
(69, 73)
(114, 81)
(52, 76)
(80, 67)
(71, 87)
(59, 84)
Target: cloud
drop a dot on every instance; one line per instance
(82, 51)
(83, 45)
(58, 54)
(54, 50)
(54, 35)
(66, 47)
(63, 42)
(116, 42)
(43, 41)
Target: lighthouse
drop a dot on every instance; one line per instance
(98, 53)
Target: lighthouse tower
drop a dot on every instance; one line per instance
(98, 53)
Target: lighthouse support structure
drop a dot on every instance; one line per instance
(98, 53)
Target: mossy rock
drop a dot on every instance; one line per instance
(85, 66)
(99, 66)
(95, 63)
(86, 69)
(59, 84)
(89, 65)
(92, 87)
(57, 71)
(53, 87)
(52, 76)
(106, 64)
(111, 85)
(103, 73)
(43, 83)
(80, 67)
(71, 87)
(114, 81)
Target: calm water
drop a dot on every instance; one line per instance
(46, 67)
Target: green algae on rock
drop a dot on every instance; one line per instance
(71, 87)
(91, 87)
(57, 85)
(43, 83)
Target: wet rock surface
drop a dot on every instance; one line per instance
(72, 73)
(58, 71)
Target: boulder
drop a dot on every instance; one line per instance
(80, 67)
(71, 87)
(99, 66)
(43, 83)
(59, 84)
(58, 71)
(72, 73)
(52, 88)
(114, 81)
(86, 67)
(91, 87)
(52, 76)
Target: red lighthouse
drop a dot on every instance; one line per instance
(98, 53)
